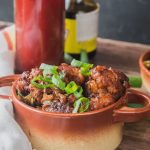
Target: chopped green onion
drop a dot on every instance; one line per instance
(81, 105)
(68, 58)
(135, 105)
(135, 81)
(79, 92)
(41, 86)
(71, 87)
(84, 56)
(49, 69)
(147, 64)
(85, 67)
(62, 74)
(56, 80)
(76, 106)
(76, 63)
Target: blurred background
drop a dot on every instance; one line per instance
(126, 20)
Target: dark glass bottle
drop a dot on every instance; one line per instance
(81, 26)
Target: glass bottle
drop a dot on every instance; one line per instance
(81, 26)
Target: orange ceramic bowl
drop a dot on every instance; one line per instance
(145, 73)
(97, 130)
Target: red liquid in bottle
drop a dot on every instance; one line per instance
(39, 33)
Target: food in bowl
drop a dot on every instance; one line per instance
(144, 63)
(147, 64)
(76, 88)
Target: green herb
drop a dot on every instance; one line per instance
(49, 69)
(62, 74)
(81, 105)
(135, 105)
(36, 79)
(56, 80)
(147, 64)
(84, 67)
(71, 87)
(76, 63)
(135, 81)
(78, 92)
(84, 56)
(68, 58)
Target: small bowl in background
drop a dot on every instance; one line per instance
(145, 73)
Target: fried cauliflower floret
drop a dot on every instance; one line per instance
(71, 74)
(105, 86)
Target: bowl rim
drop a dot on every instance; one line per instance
(120, 102)
(141, 60)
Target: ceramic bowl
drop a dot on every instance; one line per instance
(97, 130)
(145, 73)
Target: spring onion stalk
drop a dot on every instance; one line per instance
(36, 79)
(76, 106)
(76, 63)
(84, 56)
(134, 105)
(71, 87)
(68, 58)
(84, 67)
(56, 80)
(78, 92)
(135, 81)
(49, 69)
(81, 105)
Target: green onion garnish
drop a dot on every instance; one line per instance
(84, 56)
(135, 81)
(76, 63)
(71, 87)
(68, 58)
(56, 80)
(36, 79)
(78, 92)
(81, 105)
(49, 69)
(135, 105)
(84, 67)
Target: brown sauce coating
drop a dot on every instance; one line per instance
(103, 87)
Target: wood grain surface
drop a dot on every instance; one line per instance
(123, 56)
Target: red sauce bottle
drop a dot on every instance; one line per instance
(39, 33)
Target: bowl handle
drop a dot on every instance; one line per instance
(128, 114)
(7, 81)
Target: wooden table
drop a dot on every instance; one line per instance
(123, 56)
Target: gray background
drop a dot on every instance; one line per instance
(127, 20)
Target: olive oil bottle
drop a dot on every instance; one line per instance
(81, 26)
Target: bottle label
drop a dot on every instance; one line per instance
(82, 32)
